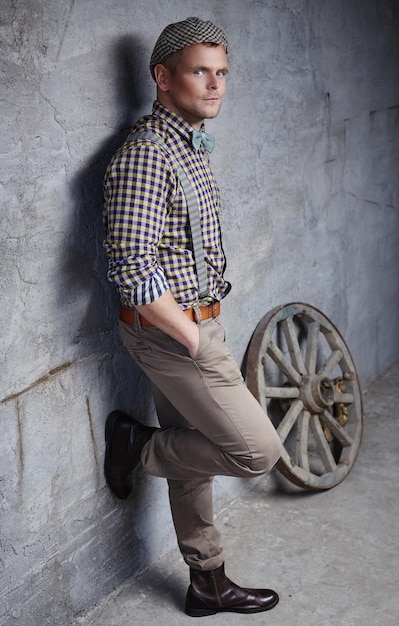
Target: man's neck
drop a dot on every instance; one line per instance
(197, 124)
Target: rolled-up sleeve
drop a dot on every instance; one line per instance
(139, 187)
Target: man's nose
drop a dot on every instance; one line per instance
(214, 82)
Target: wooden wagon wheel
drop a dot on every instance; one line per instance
(301, 371)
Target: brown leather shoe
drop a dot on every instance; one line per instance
(212, 592)
(124, 438)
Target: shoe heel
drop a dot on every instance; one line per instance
(195, 607)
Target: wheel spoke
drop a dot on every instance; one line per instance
(322, 445)
(344, 398)
(302, 440)
(278, 357)
(289, 419)
(337, 430)
(311, 348)
(281, 392)
(293, 345)
(331, 362)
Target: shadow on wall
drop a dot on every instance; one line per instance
(91, 300)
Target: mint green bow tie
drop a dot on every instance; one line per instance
(207, 140)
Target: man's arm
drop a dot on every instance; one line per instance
(167, 315)
(138, 188)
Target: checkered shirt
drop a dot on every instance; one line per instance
(148, 240)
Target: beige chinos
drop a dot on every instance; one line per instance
(211, 425)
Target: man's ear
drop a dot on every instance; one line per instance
(161, 74)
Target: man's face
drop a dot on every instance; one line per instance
(195, 88)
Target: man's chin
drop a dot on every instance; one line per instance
(211, 112)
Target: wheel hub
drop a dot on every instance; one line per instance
(317, 393)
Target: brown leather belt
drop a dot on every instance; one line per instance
(206, 312)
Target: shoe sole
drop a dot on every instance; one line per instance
(109, 431)
(203, 612)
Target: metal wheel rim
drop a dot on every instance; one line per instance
(313, 387)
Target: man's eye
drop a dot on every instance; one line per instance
(198, 72)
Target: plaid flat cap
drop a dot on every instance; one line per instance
(180, 35)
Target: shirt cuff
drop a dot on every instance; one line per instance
(151, 289)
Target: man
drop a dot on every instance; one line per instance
(210, 423)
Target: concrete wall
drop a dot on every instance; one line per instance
(307, 159)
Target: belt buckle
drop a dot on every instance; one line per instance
(206, 307)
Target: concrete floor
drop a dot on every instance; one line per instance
(332, 556)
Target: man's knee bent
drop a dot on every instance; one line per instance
(267, 454)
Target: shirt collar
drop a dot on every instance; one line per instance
(178, 123)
